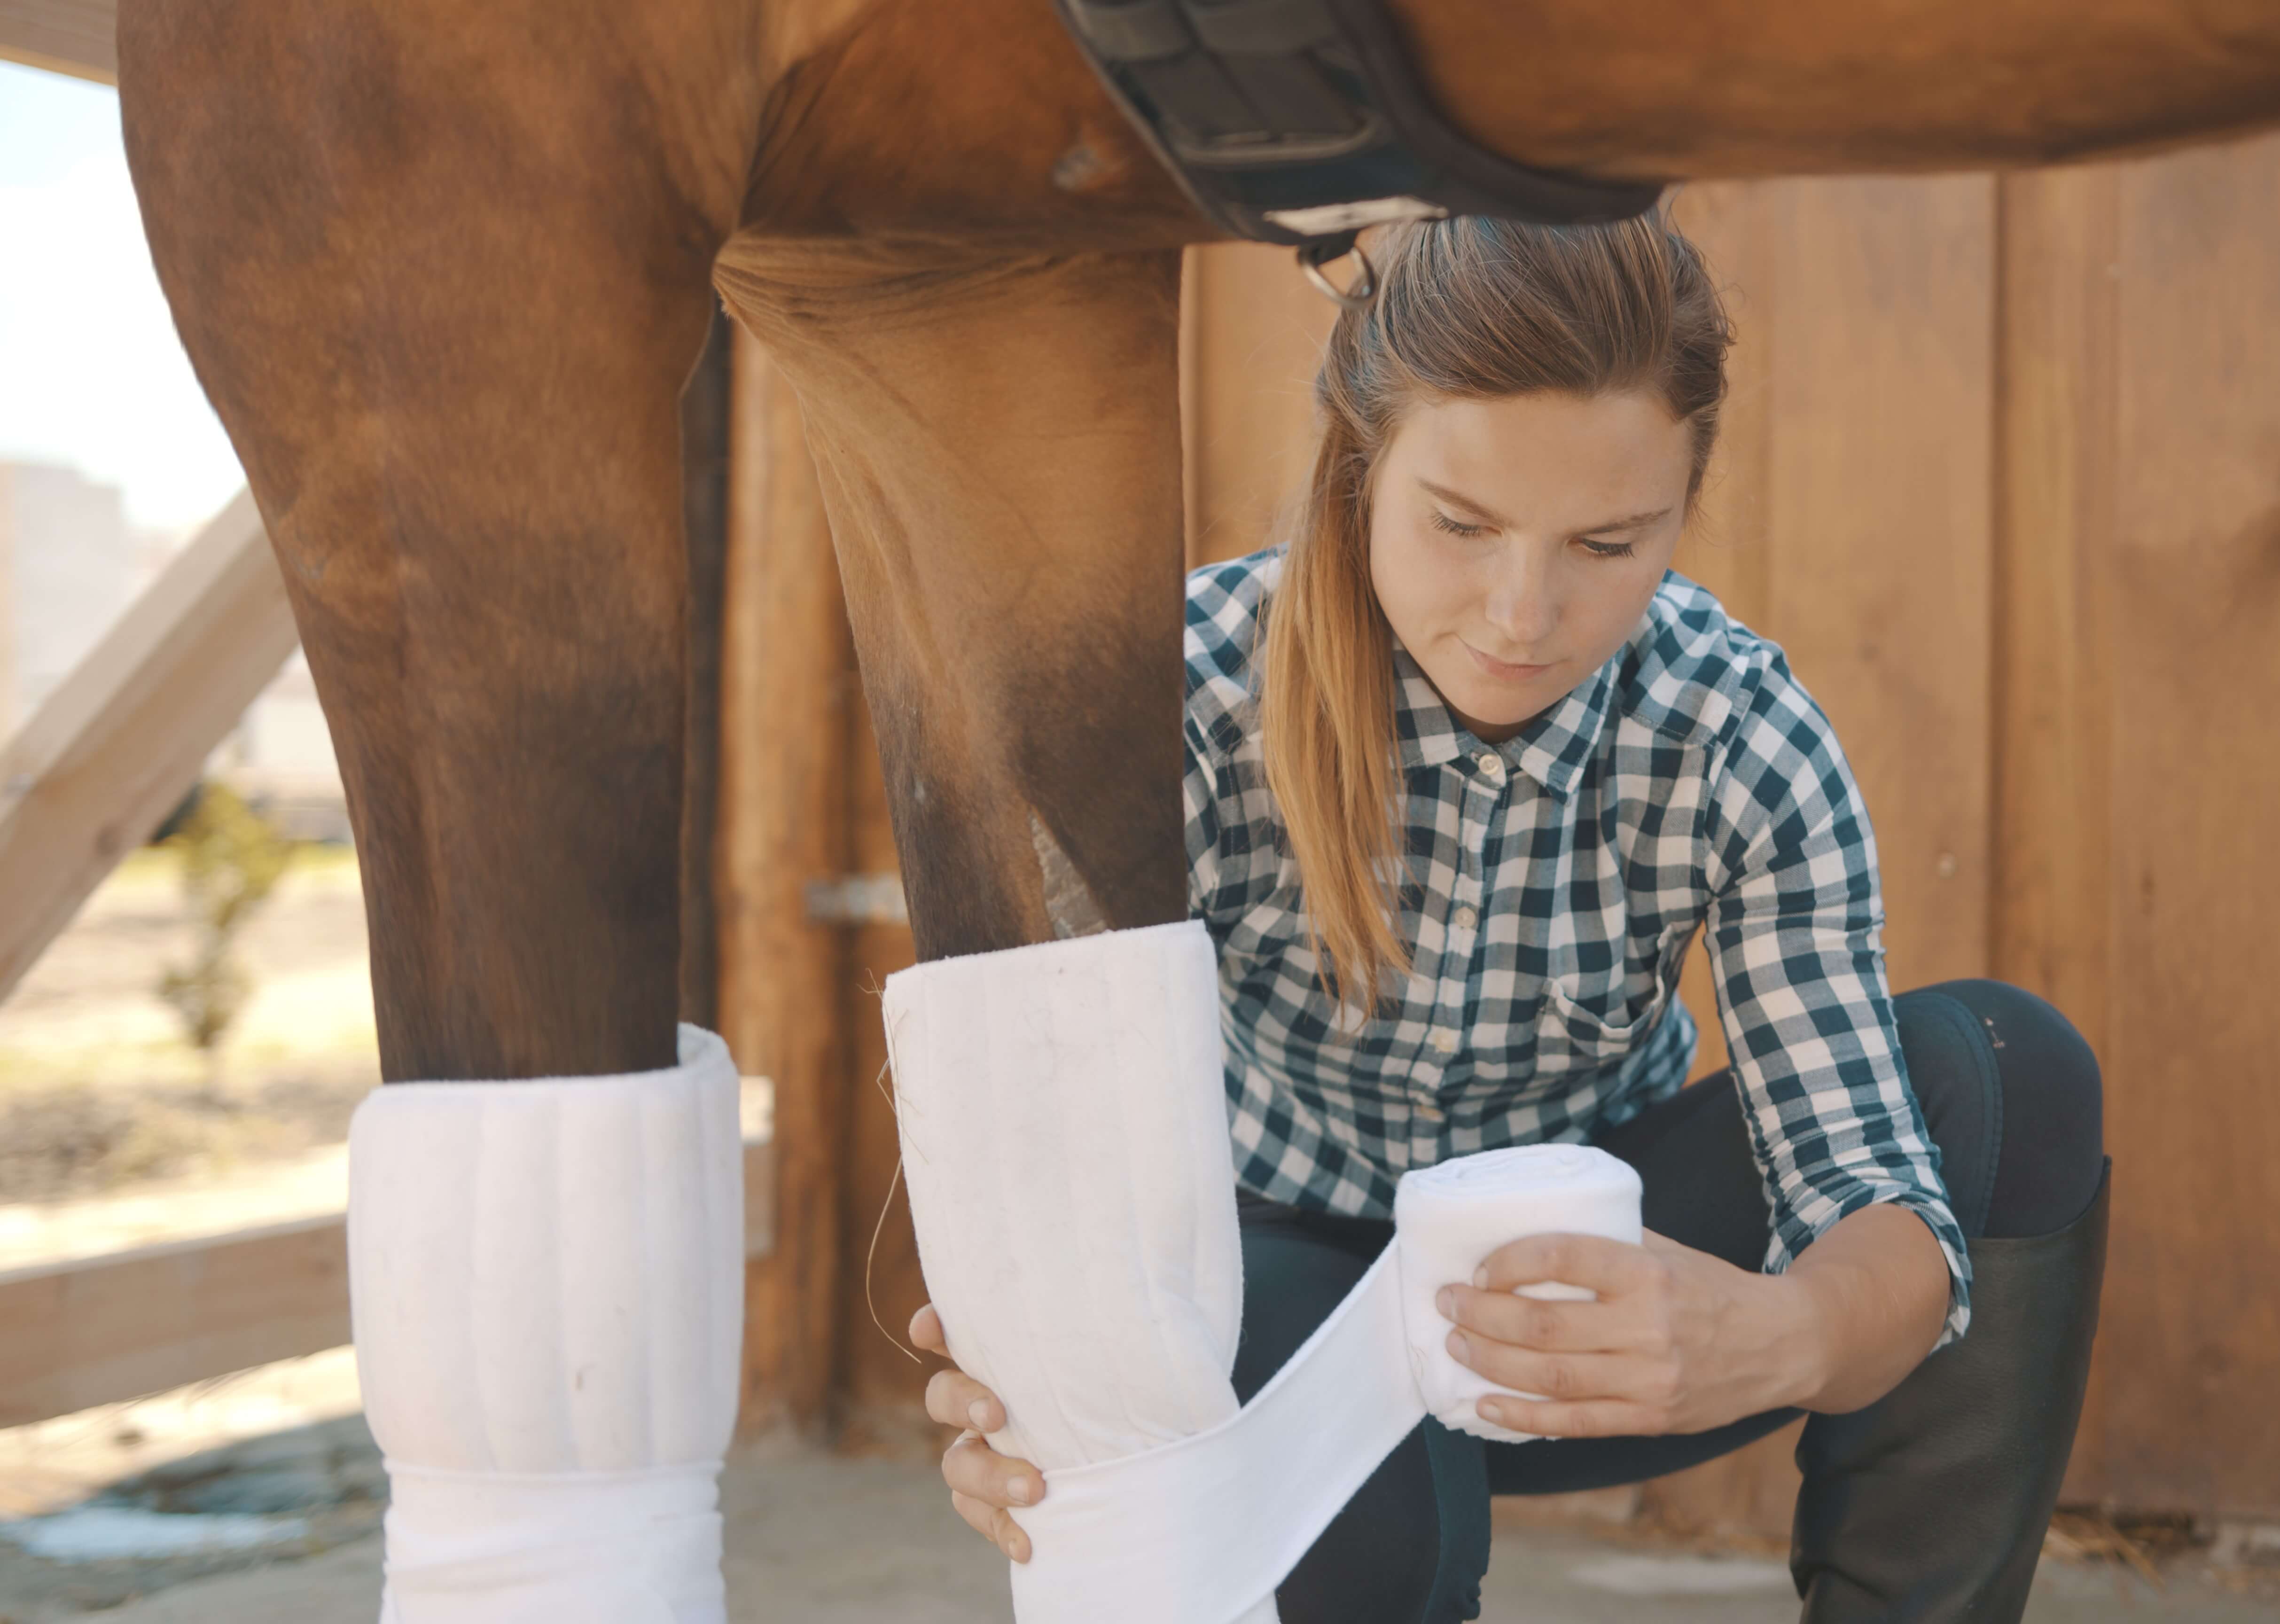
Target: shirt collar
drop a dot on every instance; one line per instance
(1551, 749)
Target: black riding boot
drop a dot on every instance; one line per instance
(1931, 1503)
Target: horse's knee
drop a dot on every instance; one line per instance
(2042, 1116)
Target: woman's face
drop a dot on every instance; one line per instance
(1514, 543)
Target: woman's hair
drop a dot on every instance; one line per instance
(1467, 309)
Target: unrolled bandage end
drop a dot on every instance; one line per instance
(1192, 1530)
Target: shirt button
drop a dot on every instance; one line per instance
(1492, 766)
(1464, 918)
(1429, 1113)
(1445, 1040)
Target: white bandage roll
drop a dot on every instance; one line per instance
(1065, 1137)
(1447, 1218)
(546, 1281)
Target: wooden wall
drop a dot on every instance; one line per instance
(2001, 471)
(2138, 710)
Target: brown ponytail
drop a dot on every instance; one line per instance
(1466, 309)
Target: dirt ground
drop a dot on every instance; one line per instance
(100, 1091)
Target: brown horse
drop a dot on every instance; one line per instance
(444, 270)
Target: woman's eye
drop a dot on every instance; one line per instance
(1442, 522)
(1608, 549)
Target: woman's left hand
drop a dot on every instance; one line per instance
(1678, 1341)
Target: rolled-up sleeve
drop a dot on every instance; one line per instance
(1795, 933)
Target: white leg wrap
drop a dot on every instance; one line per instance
(1065, 1135)
(546, 1279)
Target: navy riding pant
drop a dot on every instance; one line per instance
(2009, 1092)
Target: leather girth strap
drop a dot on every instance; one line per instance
(1302, 121)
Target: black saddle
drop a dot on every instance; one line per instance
(1301, 122)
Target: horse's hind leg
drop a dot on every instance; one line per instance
(443, 286)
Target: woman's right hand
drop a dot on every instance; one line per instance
(982, 1483)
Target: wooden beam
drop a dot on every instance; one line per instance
(100, 763)
(785, 691)
(97, 1331)
(78, 37)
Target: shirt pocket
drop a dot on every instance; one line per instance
(1586, 1024)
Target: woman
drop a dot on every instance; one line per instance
(1467, 768)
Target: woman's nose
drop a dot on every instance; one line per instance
(1525, 613)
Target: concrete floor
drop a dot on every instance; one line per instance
(824, 1540)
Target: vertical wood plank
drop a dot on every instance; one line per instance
(2051, 899)
(704, 459)
(785, 656)
(2192, 1314)
(1193, 271)
(1725, 548)
(1879, 511)
(1251, 337)
(886, 1386)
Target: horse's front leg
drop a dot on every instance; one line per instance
(443, 277)
(998, 443)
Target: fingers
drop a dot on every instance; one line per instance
(998, 1526)
(1608, 1267)
(1598, 1419)
(971, 1468)
(984, 1483)
(957, 1399)
(1649, 1384)
(953, 1397)
(1554, 1326)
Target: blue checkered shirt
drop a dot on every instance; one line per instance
(1555, 881)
